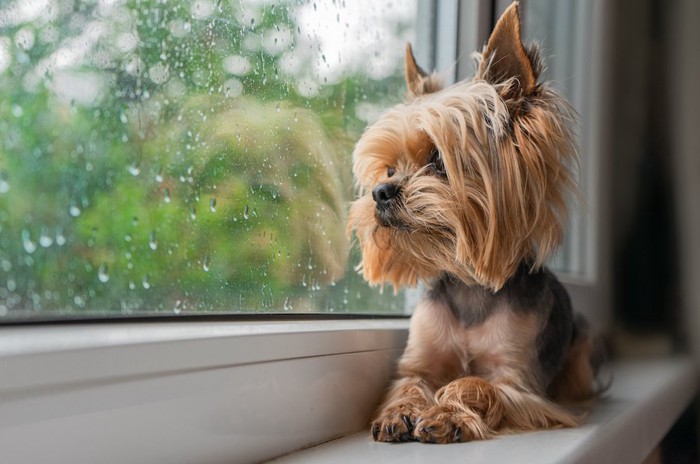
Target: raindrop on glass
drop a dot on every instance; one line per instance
(287, 304)
(4, 184)
(246, 211)
(193, 213)
(134, 169)
(212, 205)
(166, 195)
(146, 282)
(45, 240)
(206, 264)
(159, 177)
(60, 238)
(128, 237)
(103, 273)
(152, 242)
(27, 243)
(177, 309)
(74, 210)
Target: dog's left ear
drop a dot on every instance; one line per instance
(419, 82)
(505, 57)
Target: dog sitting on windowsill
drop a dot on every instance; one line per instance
(464, 188)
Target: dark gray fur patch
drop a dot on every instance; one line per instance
(537, 292)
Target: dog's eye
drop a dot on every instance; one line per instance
(390, 171)
(436, 163)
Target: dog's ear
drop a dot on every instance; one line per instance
(419, 82)
(505, 57)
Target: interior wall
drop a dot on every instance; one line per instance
(644, 197)
(684, 115)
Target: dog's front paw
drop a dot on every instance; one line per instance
(395, 424)
(441, 425)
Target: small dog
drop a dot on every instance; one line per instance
(464, 188)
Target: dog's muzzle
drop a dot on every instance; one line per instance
(385, 198)
(384, 194)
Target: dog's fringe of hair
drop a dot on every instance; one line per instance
(509, 170)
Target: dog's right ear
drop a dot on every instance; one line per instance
(419, 82)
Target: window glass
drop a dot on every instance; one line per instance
(177, 156)
(562, 28)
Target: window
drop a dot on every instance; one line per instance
(187, 157)
(561, 28)
(576, 65)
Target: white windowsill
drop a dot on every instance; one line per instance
(244, 392)
(188, 392)
(645, 399)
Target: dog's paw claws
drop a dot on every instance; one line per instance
(393, 426)
(375, 431)
(440, 426)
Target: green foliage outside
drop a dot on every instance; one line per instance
(145, 177)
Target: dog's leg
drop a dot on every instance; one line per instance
(407, 399)
(472, 408)
(466, 409)
(429, 362)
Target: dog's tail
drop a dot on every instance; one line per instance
(525, 411)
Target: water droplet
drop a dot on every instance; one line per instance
(287, 304)
(27, 243)
(122, 117)
(74, 210)
(132, 285)
(277, 108)
(159, 177)
(177, 309)
(166, 195)
(4, 184)
(45, 240)
(245, 212)
(134, 169)
(193, 213)
(146, 282)
(103, 273)
(60, 238)
(128, 237)
(134, 221)
(206, 264)
(152, 242)
(303, 280)
(212, 205)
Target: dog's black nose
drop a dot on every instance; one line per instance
(382, 193)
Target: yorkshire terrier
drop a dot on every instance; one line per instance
(465, 188)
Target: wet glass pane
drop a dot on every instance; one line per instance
(562, 28)
(177, 156)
